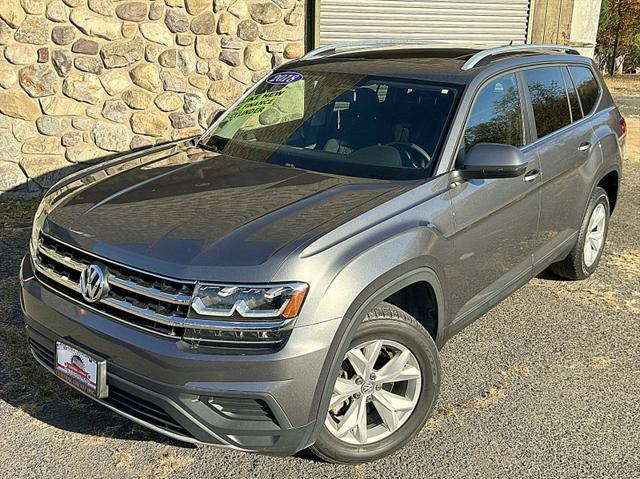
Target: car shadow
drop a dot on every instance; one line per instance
(549, 275)
(307, 455)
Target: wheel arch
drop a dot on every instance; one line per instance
(610, 182)
(605, 175)
(397, 279)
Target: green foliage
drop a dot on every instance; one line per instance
(632, 55)
(619, 32)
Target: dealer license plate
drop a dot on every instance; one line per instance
(81, 369)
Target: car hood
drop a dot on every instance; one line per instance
(181, 211)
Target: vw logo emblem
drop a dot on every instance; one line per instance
(367, 388)
(93, 284)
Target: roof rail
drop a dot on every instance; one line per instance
(478, 57)
(335, 48)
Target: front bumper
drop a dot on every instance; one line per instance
(263, 402)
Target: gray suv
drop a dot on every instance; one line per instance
(286, 280)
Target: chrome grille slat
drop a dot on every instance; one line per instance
(150, 292)
(181, 322)
(63, 259)
(117, 265)
(128, 284)
(112, 316)
(176, 321)
(52, 275)
(61, 263)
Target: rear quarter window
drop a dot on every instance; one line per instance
(588, 88)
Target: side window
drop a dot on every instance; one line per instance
(496, 116)
(548, 98)
(576, 112)
(588, 88)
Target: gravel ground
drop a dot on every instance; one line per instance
(629, 105)
(545, 385)
(626, 90)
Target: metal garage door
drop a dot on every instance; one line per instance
(493, 22)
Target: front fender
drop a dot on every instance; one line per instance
(362, 262)
(359, 275)
(379, 289)
(366, 280)
(394, 237)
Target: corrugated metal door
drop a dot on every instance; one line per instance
(492, 22)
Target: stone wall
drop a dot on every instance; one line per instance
(82, 79)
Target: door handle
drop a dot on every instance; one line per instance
(584, 146)
(531, 175)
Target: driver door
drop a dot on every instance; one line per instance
(496, 220)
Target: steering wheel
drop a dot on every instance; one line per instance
(406, 149)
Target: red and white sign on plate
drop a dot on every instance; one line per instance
(79, 369)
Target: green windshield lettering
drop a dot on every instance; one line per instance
(255, 104)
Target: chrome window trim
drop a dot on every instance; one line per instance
(450, 166)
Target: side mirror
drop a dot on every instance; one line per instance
(492, 160)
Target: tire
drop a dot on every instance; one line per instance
(393, 329)
(579, 264)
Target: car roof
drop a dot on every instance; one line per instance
(447, 65)
(427, 64)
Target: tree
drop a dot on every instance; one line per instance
(619, 32)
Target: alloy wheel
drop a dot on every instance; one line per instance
(376, 392)
(595, 235)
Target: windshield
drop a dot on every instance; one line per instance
(344, 124)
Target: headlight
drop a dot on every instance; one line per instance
(281, 301)
(245, 316)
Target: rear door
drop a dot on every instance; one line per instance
(495, 219)
(564, 141)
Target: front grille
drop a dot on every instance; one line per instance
(144, 300)
(122, 400)
(152, 302)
